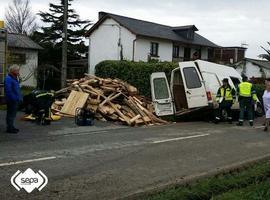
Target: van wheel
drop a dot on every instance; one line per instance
(259, 111)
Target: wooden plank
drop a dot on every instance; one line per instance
(64, 90)
(137, 100)
(137, 110)
(74, 101)
(135, 118)
(152, 116)
(109, 98)
(120, 113)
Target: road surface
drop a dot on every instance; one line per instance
(110, 161)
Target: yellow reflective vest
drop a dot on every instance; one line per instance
(245, 89)
(227, 93)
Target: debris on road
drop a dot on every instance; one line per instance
(110, 100)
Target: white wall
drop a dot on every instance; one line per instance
(103, 43)
(253, 70)
(28, 71)
(204, 53)
(143, 47)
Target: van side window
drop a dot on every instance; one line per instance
(235, 81)
(211, 81)
(192, 78)
(160, 88)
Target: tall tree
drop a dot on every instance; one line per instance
(267, 54)
(51, 35)
(19, 18)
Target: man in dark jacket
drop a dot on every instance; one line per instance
(13, 97)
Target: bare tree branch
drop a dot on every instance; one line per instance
(19, 17)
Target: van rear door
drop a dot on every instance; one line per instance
(194, 86)
(161, 95)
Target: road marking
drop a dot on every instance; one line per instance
(180, 138)
(26, 161)
(257, 127)
(88, 133)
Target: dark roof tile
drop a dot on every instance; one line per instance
(21, 41)
(150, 29)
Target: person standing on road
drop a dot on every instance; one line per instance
(225, 97)
(266, 103)
(13, 97)
(246, 95)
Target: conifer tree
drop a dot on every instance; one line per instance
(50, 35)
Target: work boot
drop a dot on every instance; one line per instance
(216, 120)
(239, 124)
(12, 131)
(17, 130)
(251, 123)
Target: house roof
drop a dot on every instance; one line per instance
(185, 27)
(260, 63)
(15, 40)
(150, 29)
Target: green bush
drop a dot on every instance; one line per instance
(259, 90)
(135, 73)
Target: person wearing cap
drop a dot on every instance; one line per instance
(246, 96)
(225, 97)
(13, 97)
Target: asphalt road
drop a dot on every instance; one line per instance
(110, 161)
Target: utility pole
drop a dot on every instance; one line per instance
(64, 46)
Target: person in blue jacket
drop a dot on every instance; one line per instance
(13, 97)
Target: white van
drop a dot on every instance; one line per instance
(193, 86)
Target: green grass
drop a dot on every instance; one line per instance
(259, 191)
(221, 187)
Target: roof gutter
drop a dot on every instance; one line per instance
(133, 52)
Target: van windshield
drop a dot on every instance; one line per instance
(192, 78)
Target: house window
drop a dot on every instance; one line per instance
(154, 49)
(187, 54)
(176, 51)
(17, 58)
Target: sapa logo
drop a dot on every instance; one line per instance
(29, 180)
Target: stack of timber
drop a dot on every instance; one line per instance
(109, 99)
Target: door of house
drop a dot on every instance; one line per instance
(187, 54)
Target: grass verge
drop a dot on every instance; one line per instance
(226, 186)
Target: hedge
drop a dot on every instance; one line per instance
(138, 73)
(259, 88)
(135, 73)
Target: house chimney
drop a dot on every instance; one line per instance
(101, 14)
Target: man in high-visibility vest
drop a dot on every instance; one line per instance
(246, 96)
(225, 97)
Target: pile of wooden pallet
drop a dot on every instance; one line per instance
(109, 99)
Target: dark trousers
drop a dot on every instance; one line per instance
(246, 105)
(227, 106)
(11, 114)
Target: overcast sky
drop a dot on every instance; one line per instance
(224, 22)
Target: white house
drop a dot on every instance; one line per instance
(116, 37)
(254, 68)
(24, 52)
